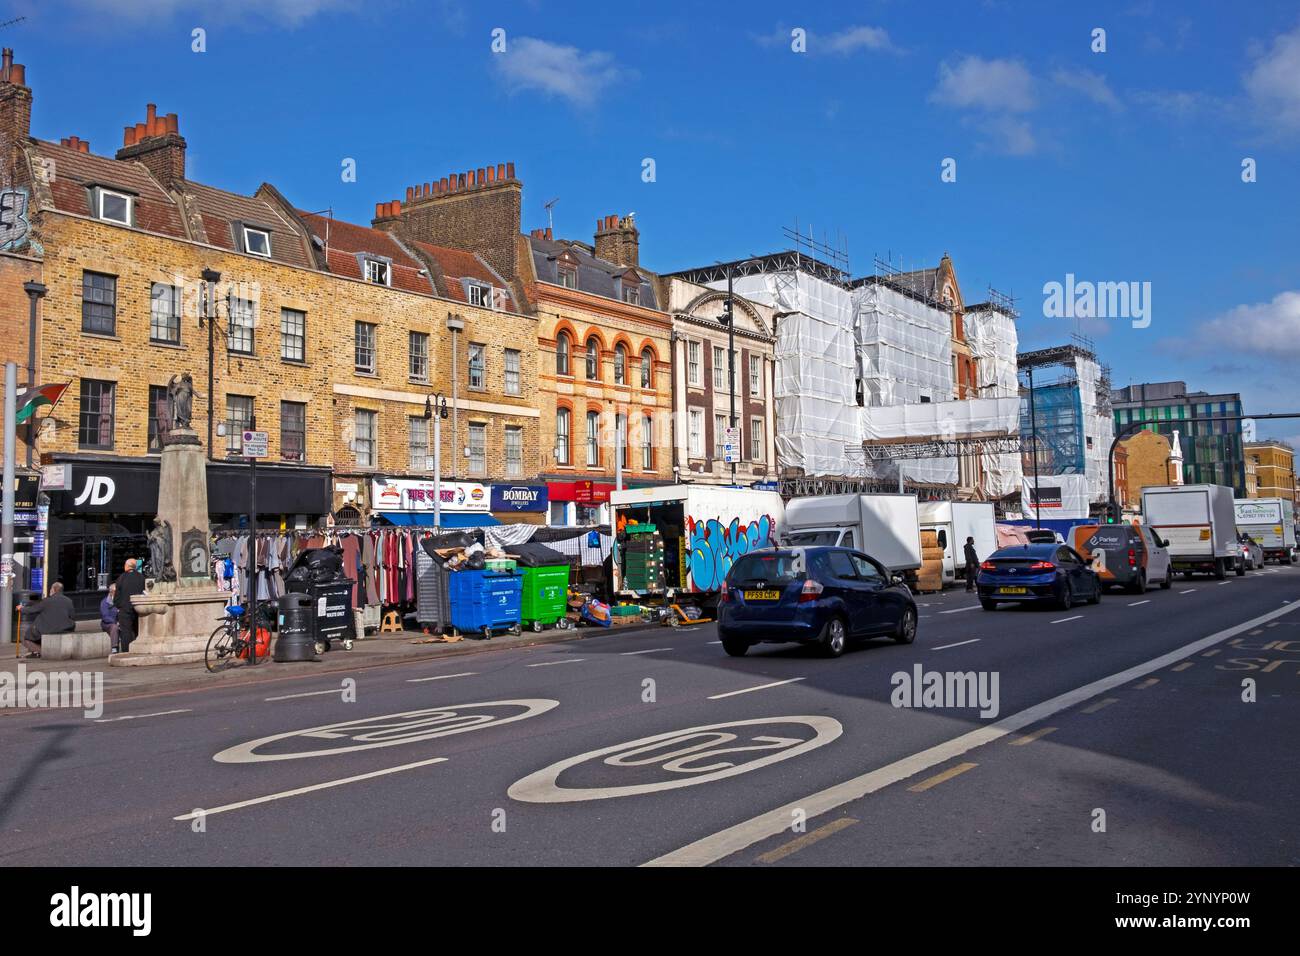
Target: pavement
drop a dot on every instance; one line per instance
(1150, 730)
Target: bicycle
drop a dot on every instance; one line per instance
(230, 644)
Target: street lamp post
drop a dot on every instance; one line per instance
(208, 306)
(1033, 448)
(437, 452)
(35, 292)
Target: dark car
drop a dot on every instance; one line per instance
(815, 595)
(1028, 573)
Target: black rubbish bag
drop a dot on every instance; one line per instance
(316, 566)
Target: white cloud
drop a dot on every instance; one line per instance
(1004, 86)
(1274, 81)
(853, 39)
(1091, 85)
(1008, 135)
(287, 12)
(557, 70)
(1269, 329)
(1182, 104)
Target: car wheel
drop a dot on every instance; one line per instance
(988, 605)
(1096, 592)
(835, 637)
(1220, 569)
(906, 632)
(1066, 600)
(1139, 585)
(1168, 582)
(734, 647)
(1241, 568)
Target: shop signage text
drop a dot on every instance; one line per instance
(518, 497)
(403, 494)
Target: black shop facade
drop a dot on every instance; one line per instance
(101, 510)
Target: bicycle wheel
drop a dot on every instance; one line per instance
(222, 651)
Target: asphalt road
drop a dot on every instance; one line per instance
(1120, 738)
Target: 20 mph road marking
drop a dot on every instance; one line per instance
(747, 690)
(715, 847)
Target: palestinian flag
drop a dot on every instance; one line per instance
(31, 399)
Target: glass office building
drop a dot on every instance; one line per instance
(1213, 453)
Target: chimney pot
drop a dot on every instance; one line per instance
(128, 136)
(492, 174)
(460, 181)
(501, 171)
(410, 193)
(84, 146)
(472, 180)
(64, 141)
(140, 132)
(481, 180)
(173, 124)
(397, 207)
(442, 185)
(379, 210)
(510, 170)
(548, 232)
(18, 74)
(6, 61)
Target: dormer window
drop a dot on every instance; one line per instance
(479, 294)
(632, 294)
(568, 276)
(378, 272)
(630, 287)
(114, 207)
(257, 242)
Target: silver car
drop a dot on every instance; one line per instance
(1251, 552)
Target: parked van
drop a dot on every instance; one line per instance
(1131, 556)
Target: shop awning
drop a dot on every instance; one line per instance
(452, 519)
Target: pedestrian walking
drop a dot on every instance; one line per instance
(108, 617)
(972, 564)
(129, 584)
(53, 615)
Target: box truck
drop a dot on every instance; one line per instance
(1199, 523)
(887, 527)
(953, 522)
(1271, 522)
(676, 541)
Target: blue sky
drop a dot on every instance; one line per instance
(1117, 166)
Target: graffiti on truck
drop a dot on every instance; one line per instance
(714, 547)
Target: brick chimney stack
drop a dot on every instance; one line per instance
(479, 210)
(618, 241)
(158, 144)
(15, 113)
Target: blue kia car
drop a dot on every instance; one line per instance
(1043, 573)
(823, 596)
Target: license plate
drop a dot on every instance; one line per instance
(1013, 590)
(762, 595)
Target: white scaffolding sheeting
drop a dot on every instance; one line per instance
(816, 408)
(904, 347)
(972, 418)
(1098, 429)
(991, 334)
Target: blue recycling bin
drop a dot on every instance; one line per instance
(485, 601)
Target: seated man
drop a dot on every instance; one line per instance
(54, 615)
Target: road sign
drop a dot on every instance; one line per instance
(731, 444)
(255, 444)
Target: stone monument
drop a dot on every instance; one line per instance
(181, 605)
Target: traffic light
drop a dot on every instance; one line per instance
(1112, 513)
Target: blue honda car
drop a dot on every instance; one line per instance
(823, 596)
(1044, 573)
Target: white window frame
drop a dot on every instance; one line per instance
(695, 432)
(593, 439)
(417, 437)
(477, 461)
(755, 375)
(514, 450)
(372, 267)
(248, 248)
(484, 294)
(720, 424)
(694, 362)
(372, 330)
(563, 436)
(719, 368)
(513, 386)
(480, 349)
(756, 440)
(647, 443)
(370, 441)
(416, 359)
(129, 200)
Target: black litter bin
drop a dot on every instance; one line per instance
(317, 574)
(296, 640)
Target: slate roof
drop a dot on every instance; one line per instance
(596, 276)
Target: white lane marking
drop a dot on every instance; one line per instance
(944, 647)
(161, 713)
(571, 660)
(1136, 603)
(1065, 619)
(748, 690)
(649, 650)
(1222, 583)
(722, 844)
(419, 680)
(715, 642)
(310, 693)
(314, 787)
(958, 610)
(1188, 591)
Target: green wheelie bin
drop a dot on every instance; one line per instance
(545, 597)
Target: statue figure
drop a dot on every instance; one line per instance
(160, 551)
(180, 399)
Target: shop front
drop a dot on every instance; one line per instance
(410, 501)
(101, 511)
(578, 503)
